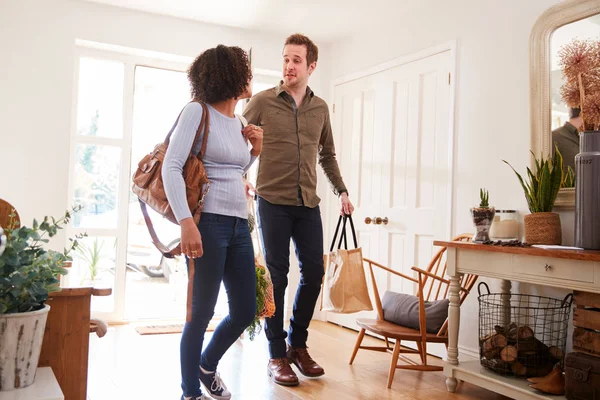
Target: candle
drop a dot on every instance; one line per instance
(505, 225)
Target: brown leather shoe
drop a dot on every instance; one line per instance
(301, 359)
(281, 372)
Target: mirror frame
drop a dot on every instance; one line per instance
(539, 77)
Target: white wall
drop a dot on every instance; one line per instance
(37, 43)
(492, 112)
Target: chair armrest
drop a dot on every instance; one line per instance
(391, 271)
(429, 274)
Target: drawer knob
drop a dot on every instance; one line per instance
(548, 267)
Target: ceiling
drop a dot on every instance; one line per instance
(323, 20)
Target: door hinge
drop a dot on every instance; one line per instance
(334, 108)
(449, 78)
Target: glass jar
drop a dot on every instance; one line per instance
(505, 225)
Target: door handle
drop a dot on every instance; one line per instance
(379, 221)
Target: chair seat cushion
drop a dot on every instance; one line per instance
(403, 309)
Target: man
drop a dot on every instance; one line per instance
(297, 130)
(567, 138)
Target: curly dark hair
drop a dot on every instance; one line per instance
(220, 73)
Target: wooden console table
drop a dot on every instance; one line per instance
(565, 269)
(67, 337)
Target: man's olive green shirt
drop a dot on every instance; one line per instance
(294, 138)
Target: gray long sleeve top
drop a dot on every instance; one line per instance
(227, 158)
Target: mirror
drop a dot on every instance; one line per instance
(550, 117)
(566, 122)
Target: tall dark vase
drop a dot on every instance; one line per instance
(587, 191)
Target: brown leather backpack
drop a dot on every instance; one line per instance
(149, 188)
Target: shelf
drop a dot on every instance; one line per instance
(516, 388)
(45, 387)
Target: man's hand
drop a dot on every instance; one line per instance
(347, 207)
(249, 190)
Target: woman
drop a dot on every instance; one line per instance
(220, 246)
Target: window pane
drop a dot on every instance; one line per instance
(100, 100)
(159, 96)
(94, 263)
(96, 186)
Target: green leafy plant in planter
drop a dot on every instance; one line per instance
(541, 187)
(28, 273)
(483, 217)
(93, 256)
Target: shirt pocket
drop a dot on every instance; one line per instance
(314, 124)
(279, 121)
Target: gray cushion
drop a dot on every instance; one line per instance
(403, 309)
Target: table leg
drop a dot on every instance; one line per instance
(453, 327)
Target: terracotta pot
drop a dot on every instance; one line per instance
(543, 228)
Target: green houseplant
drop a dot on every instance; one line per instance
(483, 217)
(28, 273)
(541, 187)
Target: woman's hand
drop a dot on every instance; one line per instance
(249, 189)
(191, 241)
(254, 134)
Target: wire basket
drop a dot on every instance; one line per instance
(520, 334)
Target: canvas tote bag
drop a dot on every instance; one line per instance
(345, 288)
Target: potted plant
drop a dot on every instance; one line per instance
(94, 256)
(483, 216)
(542, 226)
(28, 272)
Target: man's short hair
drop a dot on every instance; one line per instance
(574, 112)
(312, 51)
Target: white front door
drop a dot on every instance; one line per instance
(358, 104)
(393, 138)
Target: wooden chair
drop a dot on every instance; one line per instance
(432, 285)
(6, 209)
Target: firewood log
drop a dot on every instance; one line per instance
(511, 335)
(509, 354)
(496, 340)
(518, 369)
(492, 354)
(524, 332)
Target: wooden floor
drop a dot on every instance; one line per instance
(126, 365)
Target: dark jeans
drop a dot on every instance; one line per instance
(277, 224)
(228, 257)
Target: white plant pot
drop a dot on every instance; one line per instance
(21, 336)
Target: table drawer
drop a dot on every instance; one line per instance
(555, 268)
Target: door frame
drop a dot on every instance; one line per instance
(130, 60)
(452, 47)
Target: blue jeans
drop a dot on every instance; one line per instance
(277, 225)
(228, 257)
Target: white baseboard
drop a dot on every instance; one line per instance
(468, 353)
